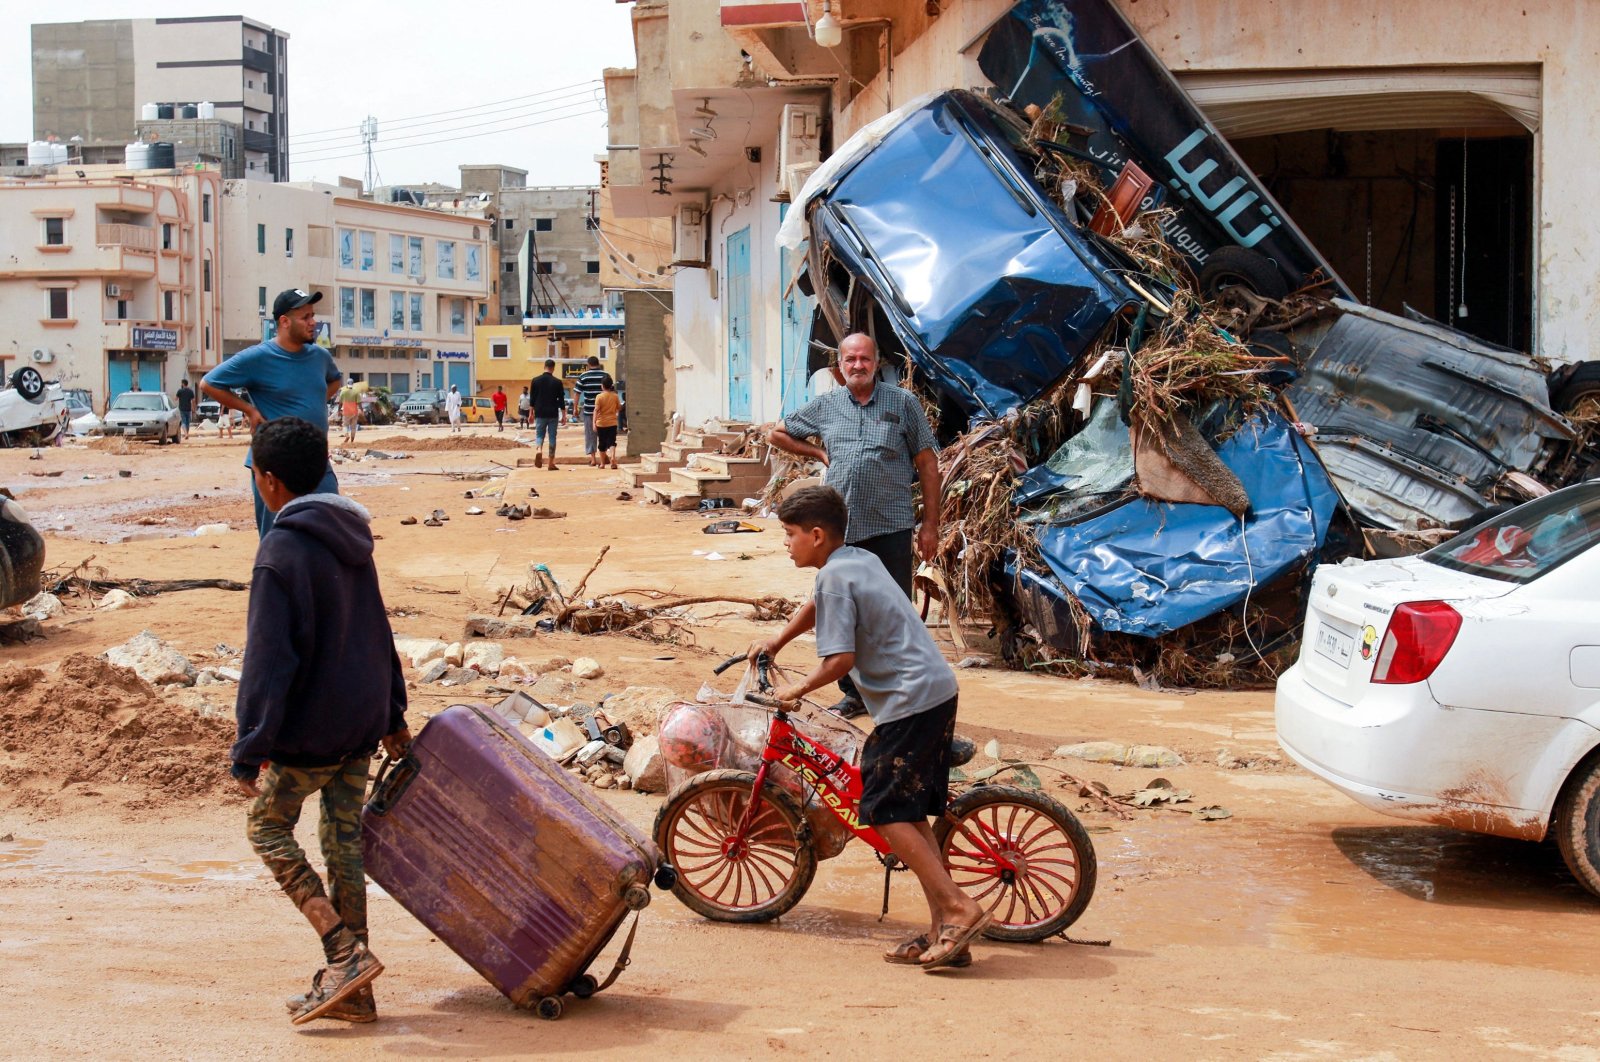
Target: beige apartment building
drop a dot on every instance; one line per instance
(112, 278)
(403, 287)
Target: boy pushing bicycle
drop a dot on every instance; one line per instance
(867, 628)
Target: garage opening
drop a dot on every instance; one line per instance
(1416, 184)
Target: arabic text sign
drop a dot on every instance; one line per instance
(154, 339)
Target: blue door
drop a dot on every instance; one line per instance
(738, 269)
(119, 377)
(438, 374)
(150, 376)
(461, 376)
(795, 339)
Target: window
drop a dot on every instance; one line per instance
(261, 300)
(458, 317)
(447, 259)
(347, 249)
(55, 232)
(510, 267)
(369, 308)
(347, 306)
(122, 309)
(511, 223)
(205, 207)
(397, 253)
(261, 239)
(208, 337)
(166, 235)
(543, 224)
(205, 275)
(169, 306)
(474, 270)
(511, 311)
(542, 267)
(288, 243)
(369, 241)
(500, 349)
(397, 311)
(416, 313)
(59, 304)
(415, 261)
(592, 267)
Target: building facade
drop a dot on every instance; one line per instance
(94, 79)
(114, 277)
(404, 288)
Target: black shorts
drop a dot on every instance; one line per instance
(905, 767)
(605, 438)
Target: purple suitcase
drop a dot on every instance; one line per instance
(510, 861)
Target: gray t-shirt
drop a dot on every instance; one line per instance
(862, 610)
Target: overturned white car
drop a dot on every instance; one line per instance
(30, 409)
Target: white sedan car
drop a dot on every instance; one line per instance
(1462, 686)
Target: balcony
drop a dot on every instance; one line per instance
(256, 140)
(256, 59)
(127, 237)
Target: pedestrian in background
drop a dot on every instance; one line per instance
(452, 408)
(588, 389)
(349, 411)
(607, 409)
(185, 405)
(498, 400)
(548, 400)
(522, 409)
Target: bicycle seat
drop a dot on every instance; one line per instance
(962, 750)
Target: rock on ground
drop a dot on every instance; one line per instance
(641, 707)
(418, 652)
(479, 626)
(115, 599)
(644, 765)
(152, 659)
(454, 654)
(1122, 755)
(43, 606)
(586, 667)
(484, 656)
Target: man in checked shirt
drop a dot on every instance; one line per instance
(875, 441)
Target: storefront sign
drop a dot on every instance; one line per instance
(155, 339)
(381, 341)
(465, 355)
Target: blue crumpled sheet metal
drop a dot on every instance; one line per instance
(1151, 567)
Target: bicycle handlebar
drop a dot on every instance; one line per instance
(726, 664)
(763, 664)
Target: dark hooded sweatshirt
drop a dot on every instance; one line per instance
(321, 679)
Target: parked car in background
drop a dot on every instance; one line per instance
(144, 415)
(477, 410)
(425, 406)
(1461, 686)
(80, 417)
(21, 553)
(30, 409)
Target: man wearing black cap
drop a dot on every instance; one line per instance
(287, 376)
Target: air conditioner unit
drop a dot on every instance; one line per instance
(799, 141)
(795, 178)
(42, 355)
(113, 291)
(689, 235)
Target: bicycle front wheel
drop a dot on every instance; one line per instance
(751, 879)
(1022, 855)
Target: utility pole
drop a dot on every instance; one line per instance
(369, 134)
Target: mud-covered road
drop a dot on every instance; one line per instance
(134, 924)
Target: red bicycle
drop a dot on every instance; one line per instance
(742, 847)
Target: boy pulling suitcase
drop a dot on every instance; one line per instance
(321, 689)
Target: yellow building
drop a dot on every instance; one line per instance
(510, 356)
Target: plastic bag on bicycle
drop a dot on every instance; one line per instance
(723, 733)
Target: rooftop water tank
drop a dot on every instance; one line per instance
(189, 111)
(208, 109)
(162, 156)
(149, 112)
(136, 156)
(164, 110)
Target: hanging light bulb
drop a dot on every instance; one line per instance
(828, 32)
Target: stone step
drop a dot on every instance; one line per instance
(639, 477)
(731, 466)
(660, 463)
(712, 485)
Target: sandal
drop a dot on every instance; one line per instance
(909, 953)
(953, 940)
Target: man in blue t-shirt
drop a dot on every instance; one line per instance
(287, 376)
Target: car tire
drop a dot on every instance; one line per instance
(28, 382)
(1240, 267)
(1577, 824)
(1584, 382)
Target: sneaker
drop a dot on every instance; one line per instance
(358, 1009)
(848, 708)
(338, 981)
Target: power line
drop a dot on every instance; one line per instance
(324, 143)
(455, 110)
(424, 139)
(444, 140)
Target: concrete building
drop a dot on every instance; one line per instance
(1437, 170)
(93, 79)
(635, 257)
(112, 277)
(403, 287)
(509, 357)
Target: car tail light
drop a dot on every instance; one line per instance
(1420, 634)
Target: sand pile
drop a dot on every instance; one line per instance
(111, 444)
(92, 721)
(496, 441)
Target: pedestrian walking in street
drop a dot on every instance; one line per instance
(185, 405)
(875, 441)
(547, 398)
(286, 376)
(349, 412)
(522, 409)
(607, 410)
(498, 400)
(588, 389)
(320, 690)
(452, 408)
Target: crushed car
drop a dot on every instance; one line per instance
(21, 553)
(1157, 424)
(30, 409)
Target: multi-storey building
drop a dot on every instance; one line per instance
(113, 276)
(403, 287)
(94, 79)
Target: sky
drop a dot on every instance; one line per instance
(519, 82)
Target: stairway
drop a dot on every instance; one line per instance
(690, 469)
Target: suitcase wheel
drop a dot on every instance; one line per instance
(584, 987)
(636, 897)
(549, 1008)
(666, 876)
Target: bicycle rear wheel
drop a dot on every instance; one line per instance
(1052, 872)
(754, 880)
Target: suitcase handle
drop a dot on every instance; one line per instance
(394, 778)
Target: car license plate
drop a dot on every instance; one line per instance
(1334, 644)
(130, 431)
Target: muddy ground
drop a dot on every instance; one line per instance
(134, 921)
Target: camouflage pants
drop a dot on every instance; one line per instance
(271, 822)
